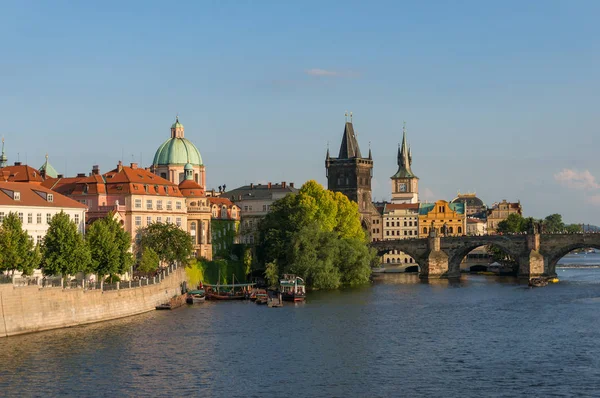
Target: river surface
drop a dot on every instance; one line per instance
(481, 337)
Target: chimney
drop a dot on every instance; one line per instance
(60, 176)
(269, 185)
(291, 185)
(119, 166)
(17, 163)
(134, 166)
(5, 175)
(95, 169)
(80, 174)
(283, 184)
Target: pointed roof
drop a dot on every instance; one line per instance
(349, 148)
(47, 169)
(3, 158)
(404, 159)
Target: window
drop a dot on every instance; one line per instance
(424, 230)
(405, 223)
(387, 233)
(39, 218)
(50, 197)
(387, 223)
(249, 208)
(224, 212)
(148, 220)
(169, 205)
(158, 219)
(264, 207)
(233, 213)
(410, 224)
(17, 195)
(451, 230)
(245, 208)
(178, 205)
(149, 204)
(138, 221)
(29, 218)
(76, 219)
(39, 239)
(138, 203)
(48, 218)
(168, 220)
(159, 205)
(21, 217)
(460, 230)
(178, 221)
(215, 212)
(405, 233)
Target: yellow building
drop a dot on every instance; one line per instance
(448, 219)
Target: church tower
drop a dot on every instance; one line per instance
(351, 174)
(405, 185)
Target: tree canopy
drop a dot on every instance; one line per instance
(109, 246)
(168, 241)
(17, 251)
(317, 235)
(64, 250)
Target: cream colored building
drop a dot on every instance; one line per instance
(400, 221)
(500, 212)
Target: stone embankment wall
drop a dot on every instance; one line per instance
(32, 309)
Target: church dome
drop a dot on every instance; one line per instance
(469, 199)
(177, 149)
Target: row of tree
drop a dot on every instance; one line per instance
(105, 250)
(552, 224)
(316, 234)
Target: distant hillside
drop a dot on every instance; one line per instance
(591, 228)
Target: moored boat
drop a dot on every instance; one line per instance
(292, 288)
(195, 296)
(234, 291)
(538, 282)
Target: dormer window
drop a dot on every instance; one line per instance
(50, 197)
(17, 195)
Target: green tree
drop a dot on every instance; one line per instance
(513, 223)
(272, 274)
(17, 251)
(317, 234)
(554, 224)
(64, 250)
(573, 228)
(170, 242)
(109, 246)
(148, 261)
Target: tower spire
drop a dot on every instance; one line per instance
(3, 158)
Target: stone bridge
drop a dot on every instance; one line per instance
(536, 254)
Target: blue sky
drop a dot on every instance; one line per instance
(499, 97)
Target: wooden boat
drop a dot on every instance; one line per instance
(166, 306)
(228, 291)
(292, 288)
(195, 296)
(538, 282)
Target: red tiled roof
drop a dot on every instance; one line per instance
(191, 188)
(401, 206)
(220, 201)
(21, 173)
(34, 194)
(136, 180)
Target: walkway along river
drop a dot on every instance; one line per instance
(401, 337)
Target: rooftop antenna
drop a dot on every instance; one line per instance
(346, 116)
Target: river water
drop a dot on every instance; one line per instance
(480, 337)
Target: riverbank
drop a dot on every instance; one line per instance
(29, 309)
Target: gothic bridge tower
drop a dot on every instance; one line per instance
(405, 184)
(351, 174)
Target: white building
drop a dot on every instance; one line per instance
(400, 221)
(36, 205)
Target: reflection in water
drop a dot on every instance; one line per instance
(400, 337)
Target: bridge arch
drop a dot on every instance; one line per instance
(555, 255)
(456, 255)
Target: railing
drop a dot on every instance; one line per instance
(48, 282)
(198, 209)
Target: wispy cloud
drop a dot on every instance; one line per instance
(318, 72)
(576, 179)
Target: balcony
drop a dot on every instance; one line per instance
(198, 209)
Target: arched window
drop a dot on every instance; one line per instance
(424, 230)
(224, 211)
(388, 260)
(460, 230)
(393, 261)
(450, 230)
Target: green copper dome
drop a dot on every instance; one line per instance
(177, 151)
